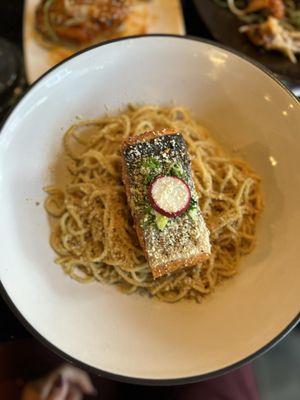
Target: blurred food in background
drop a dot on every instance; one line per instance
(271, 24)
(56, 29)
(80, 22)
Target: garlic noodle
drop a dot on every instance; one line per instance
(93, 233)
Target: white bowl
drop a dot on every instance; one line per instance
(131, 337)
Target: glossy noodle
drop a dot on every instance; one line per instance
(93, 233)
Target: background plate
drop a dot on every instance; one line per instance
(224, 26)
(154, 16)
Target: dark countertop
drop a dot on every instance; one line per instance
(11, 13)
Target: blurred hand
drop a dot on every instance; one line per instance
(64, 383)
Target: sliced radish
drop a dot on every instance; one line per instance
(169, 195)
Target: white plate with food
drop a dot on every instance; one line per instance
(222, 280)
(56, 29)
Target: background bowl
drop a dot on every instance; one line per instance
(132, 337)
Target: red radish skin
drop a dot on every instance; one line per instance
(166, 182)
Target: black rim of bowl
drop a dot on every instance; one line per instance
(124, 378)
